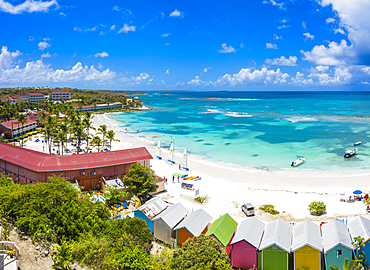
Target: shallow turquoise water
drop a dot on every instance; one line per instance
(259, 129)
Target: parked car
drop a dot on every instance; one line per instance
(248, 209)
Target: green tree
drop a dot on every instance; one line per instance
(86, 121)
(317, 208)
(96, 141)
(111, 137)
(352, 265)
(103, 131)
(21, 118)
(62, 255)
(139, 180)
(200, 252)
(78, 131)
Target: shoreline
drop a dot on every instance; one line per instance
(228, 186)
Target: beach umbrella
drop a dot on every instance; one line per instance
(356, 192)
(74, 150)
(178, 174)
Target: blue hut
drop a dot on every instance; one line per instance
(337, 243)
(360, 226)
(150, 210)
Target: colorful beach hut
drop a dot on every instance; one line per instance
(275, 245)
(165, 222)
(195, 224)
(244, 246)
(307, 246)
(360, 226)
(337, 243)
(223, 229)
(150, 210)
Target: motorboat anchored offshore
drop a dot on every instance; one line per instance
(350, 153)
(297, 162)
(357, 143)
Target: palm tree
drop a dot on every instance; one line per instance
(96, 141)
(86, 121)
(21, 118)
(111, 137)
(50, 123)
(78, 132)
(103, 131)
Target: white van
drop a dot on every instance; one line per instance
(248, 209)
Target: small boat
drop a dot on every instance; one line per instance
(158, 151)
(184, 161)
(350, 153)
(297, 162)
(357, 143)
(170, 157)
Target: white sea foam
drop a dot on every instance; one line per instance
(301, 119)
(237, 114)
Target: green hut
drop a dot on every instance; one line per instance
(275, 245)
(223, 229)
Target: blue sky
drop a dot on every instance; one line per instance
(196, 45)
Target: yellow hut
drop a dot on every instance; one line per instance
(307, 246)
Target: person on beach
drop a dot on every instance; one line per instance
(173, 179)
(178, 179)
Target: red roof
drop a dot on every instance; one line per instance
(35, 94)
(6, 98)
(8, 124)
(22, 95)
(41, 162)
(60, 92)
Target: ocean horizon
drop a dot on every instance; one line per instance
(263, 130)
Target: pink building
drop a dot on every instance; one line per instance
(29, 166)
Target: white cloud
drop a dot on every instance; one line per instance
(283, 26)
(339, 30)
(280, 5)
(271, 46)
(304, 25)
(246, 76)
(196, 81)
(341, 76)
(241, 45)
(31, 38)
(308, 36)
(354, 18)
(101, 33)
(102, 54)
(43, 45)
(336, 54)
(322, 68)
(62, 14)
(177, 13)
(45, 55)
(77, 29)
(91, 29)
(142, 79)
(206, 69)
(277, 37)
(113, 27)
(283, 21)
(167, 44)
(126, 28)
(100, 66)
(167, 71)
(27, 6)
(38, 72)
(282, 61)
(226, 49)
(330, 20)
(166, 35)
(116, 8)
(300, 79)
(7, 58)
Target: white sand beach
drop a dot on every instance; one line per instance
(228, 186)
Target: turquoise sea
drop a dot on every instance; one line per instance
(265, 130)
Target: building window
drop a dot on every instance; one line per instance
(339, 252)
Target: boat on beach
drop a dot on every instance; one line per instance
(158, 151)
(357, 143)
(350, 153)
(297, 162)
(170, 157)
(184, 161)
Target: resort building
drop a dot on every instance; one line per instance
(223, 229)
(337, 243)
(9, 255)
(360, 226)
(99, 107)
(8, 99)
(275, 245)
(245, 244)
(21, 98)
(195, 224)
(150, 210)
(306, 246)
(16, 128)
(29, 166)
(36, 97)
(60, 95)
(165, 222)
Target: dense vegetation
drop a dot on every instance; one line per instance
(317, 208)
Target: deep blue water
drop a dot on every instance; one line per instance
(259, 129)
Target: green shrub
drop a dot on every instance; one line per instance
(269, 208)
(317, 208)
